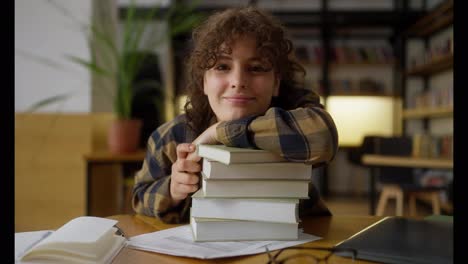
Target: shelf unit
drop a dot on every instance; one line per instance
(436, 65)
(440, 18)
(434, 22)
(443, 111)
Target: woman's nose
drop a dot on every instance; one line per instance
(238, 79)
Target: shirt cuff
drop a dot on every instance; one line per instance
(235, 133)
(172, 215)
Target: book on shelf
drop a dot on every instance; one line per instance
(210, 229)
(255, 188)
(82, 240)
(230, 155)
(277, 170)
(253, 209)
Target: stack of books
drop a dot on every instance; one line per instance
(247, 194)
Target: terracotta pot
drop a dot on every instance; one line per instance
(124, 135)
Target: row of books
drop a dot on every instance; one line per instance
(349, 86)
(441, 49)
(345, 54)
(435, 97)
(247, 194)
(432, 146)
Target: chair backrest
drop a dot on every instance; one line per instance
(395, 146)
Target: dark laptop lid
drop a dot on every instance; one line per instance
(402, 240)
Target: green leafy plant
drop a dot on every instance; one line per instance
(121, 62)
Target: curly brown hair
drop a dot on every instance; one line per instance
(224, 28)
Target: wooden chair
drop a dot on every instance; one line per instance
(396, 182)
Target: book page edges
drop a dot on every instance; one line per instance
(199, 195)
(77, 239)
(79, 249)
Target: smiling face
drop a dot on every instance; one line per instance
(240, 84)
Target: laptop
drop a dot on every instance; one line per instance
(403, 240)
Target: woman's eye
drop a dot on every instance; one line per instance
(259, 68)
(221, 67)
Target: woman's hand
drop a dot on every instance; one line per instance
(207, 137)
(184, 178)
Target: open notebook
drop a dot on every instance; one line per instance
(403, 240)
(82, 240)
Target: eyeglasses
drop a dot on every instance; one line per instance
(305, 256)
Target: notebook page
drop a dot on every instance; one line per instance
(85, 229)
(25, 240)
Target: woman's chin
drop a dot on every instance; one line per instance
(235, 117)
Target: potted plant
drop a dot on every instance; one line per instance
(121, 61)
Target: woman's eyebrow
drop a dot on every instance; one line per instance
(252, 59)
(224, 57)
(257, 59)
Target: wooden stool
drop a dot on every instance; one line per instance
(395, 191)
(390, 191)
(432, 196)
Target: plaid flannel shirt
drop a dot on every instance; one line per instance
(304, 133)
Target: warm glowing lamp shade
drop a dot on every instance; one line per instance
(358, 116)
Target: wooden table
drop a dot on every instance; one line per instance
(106, 158)
(376, 161)
(332, 230)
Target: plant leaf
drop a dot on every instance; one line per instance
(48, 101)
(40, 59)
(90, 65)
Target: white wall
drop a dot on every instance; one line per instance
(43, 30)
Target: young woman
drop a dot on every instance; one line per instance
(243, 91)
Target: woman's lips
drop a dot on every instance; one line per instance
(239, 99)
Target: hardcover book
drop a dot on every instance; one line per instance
(252, 209)
(230, 155)
(278, 170)
(209, 229)
(255, 188)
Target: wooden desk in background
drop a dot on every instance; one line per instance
(106, 158)
(376, 161)
(332, 229)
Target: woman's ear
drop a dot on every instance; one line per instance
(276, 86)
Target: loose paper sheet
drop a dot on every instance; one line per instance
(178, 242)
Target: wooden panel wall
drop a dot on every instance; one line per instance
(50, 184)
(49, 168)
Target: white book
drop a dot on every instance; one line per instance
(82, 240)
(230, 155)
(209, 229)
(255, 188)
(277, 170)
(267, 210)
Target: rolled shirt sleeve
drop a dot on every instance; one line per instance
(151, 191)
(304, 134)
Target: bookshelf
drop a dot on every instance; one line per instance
(431, 102)
(411, 162)
(426, 90)
(438, 19)
(435, 112)
(437, 65)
